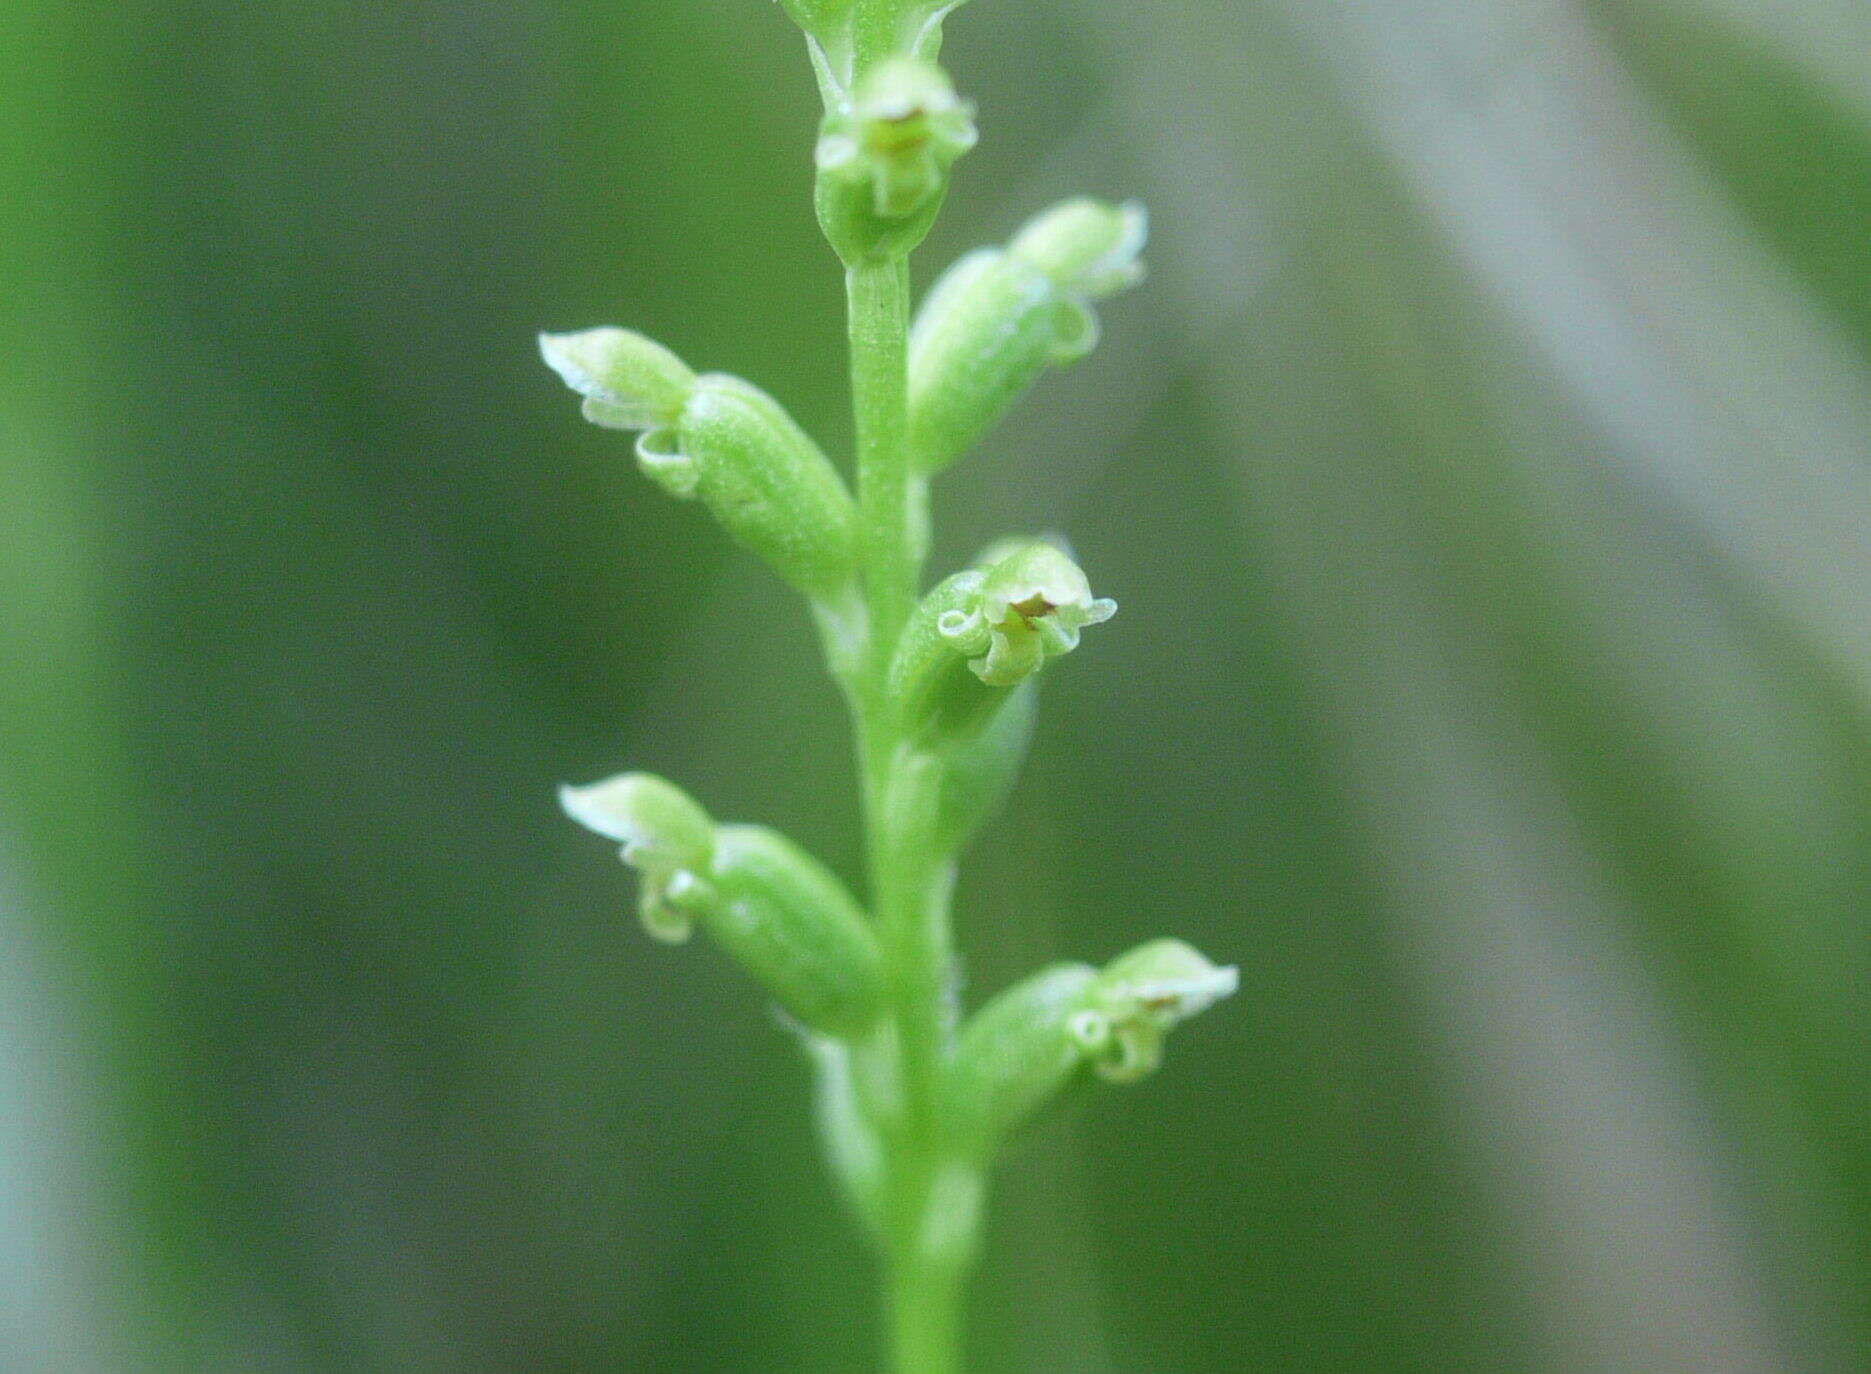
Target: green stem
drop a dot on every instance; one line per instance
(925, 1320)
(910, 881)
(879, 320)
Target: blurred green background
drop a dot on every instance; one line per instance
(1486, 480)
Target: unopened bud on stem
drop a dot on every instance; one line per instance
(1001, 316)
(725, 441)
(778, 912)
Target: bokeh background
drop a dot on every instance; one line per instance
(1486, 481)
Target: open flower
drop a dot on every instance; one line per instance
(1139, 998)
(884, 156)
(1032, 604)
(665, 835)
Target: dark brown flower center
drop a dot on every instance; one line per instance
(1033, 608)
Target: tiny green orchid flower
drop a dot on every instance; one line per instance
(983, 632)
(1031, 607)
(1139, 998)
(884, 157)
(777, 911)
(665, 836)
(725, 441)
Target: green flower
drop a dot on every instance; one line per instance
(1031, 606)
(884, 157)
(999, 318)
(666, 837)
(1139, 998)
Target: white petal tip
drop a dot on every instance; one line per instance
(599, 807)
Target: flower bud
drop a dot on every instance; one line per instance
(1000, 317)
(775, 910)
(1139, 998)
(884, 157)
(627, 380)
(665, 836)
(787, 920)
(725, 441)
(1017, 1052)
(769, 484)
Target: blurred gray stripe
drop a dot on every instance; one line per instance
(1623, 1238)
(48, 1319)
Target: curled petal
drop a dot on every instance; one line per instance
(661, 458)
